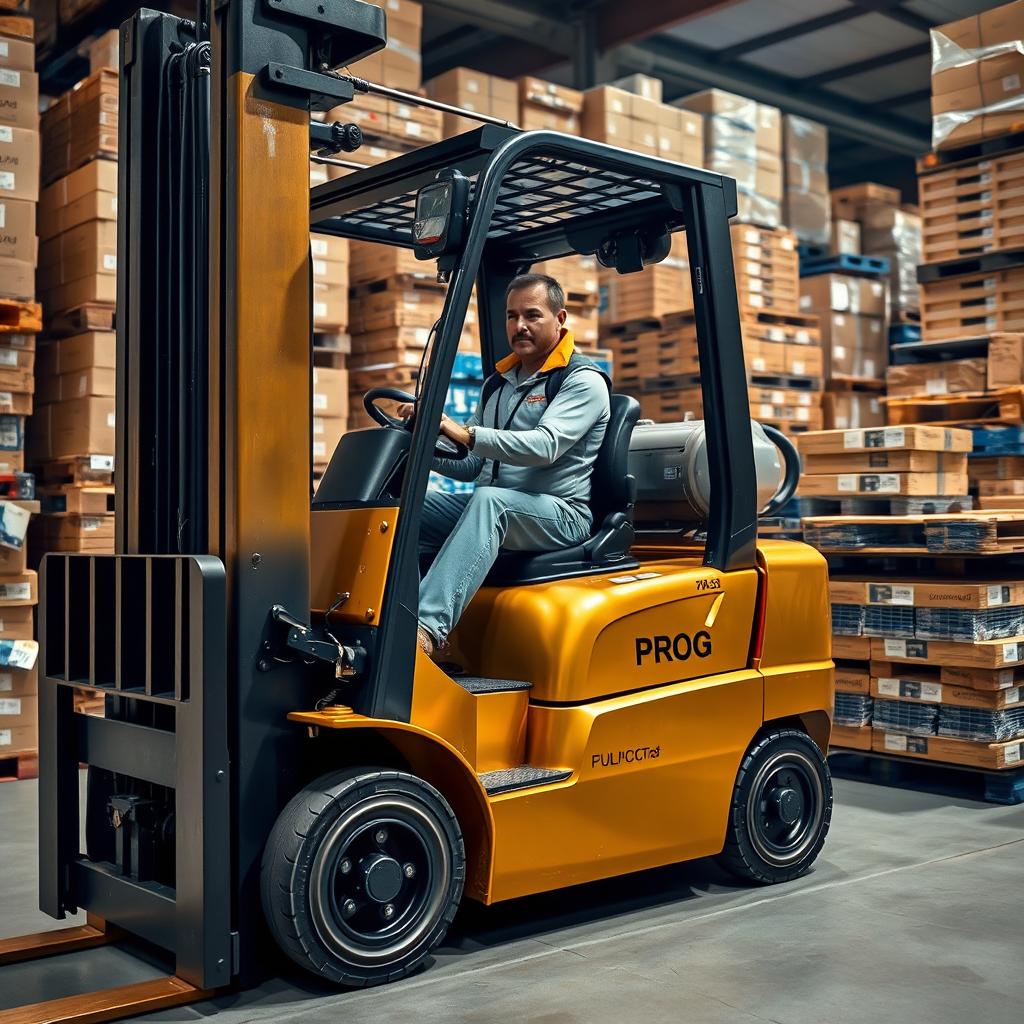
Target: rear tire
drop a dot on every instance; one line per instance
(781, 809)
(362, 874)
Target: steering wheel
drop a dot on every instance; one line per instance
(446, 449)
(791, 458)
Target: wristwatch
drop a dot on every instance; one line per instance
(472, 438)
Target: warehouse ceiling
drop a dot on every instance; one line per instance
(861, 67)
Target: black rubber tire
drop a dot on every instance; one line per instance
(296, 856)
(748, 853)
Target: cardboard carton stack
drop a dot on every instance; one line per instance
(889, 230)
(743, 139)
(806, 209)
(854, 317)
(19, 693)
(400, 64)
(395, 301)
(544, 105)
(578, 276)
(476, 91)
(977, 75)
(71, 443)
(19, 166)
(78, 204)
(647, 126)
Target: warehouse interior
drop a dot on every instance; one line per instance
(748, 747)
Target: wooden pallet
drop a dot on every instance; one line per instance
(905, 771)
(93, 316)
(79, 470)
(847, 384)
(74, 499)
(20, 317)
(14, 767)
(974, 408)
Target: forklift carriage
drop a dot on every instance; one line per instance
(276, 750)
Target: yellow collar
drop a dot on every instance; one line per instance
(558, 356)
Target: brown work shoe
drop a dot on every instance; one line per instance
(425, 640)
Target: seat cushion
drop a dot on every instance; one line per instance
(512, 568)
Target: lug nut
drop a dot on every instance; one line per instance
(346, 866)
(349, 907)
(410, 870)
(389, 911)
(380, 836)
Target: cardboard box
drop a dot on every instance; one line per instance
(18, 231)
(854, 346)
(84, 250)
(949, 751)
(16, 623)
(845, 237)
(331, 247)
(19, 99)
(895, 461)
(80, 426)
(91, 206)
(844, 294)
(17, 279)
(330, 392)
(79, 352)
(851, 648)
(769, 129)
(850, 679)
(19, 163)
(547, 94)
(849, 737)
(641, 85)
(98, 381)
(101, 287)
(18, 590)
(327, 433)
(330, 306)
(986, 654)
(19, 54)
(957, 375)
(927, 484)
(921, 437)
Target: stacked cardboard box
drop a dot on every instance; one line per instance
(399, 64)
(544, 105)
(891, 231)
(743, 139)
(80, 126)
(977, 74)
(912, 464)
(578, 276)
(71, 443)
(854, 316)
(19, 695)
(78, 238)
(330, 256)
(660, 291)
(476, 91)
(630, 121)
(806, 210)
(19, 167)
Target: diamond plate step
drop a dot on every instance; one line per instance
(507, 779)
(481, 684)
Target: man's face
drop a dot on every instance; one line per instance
(533, 327)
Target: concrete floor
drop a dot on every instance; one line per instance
(913, 913)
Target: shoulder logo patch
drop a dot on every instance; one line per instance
(531, 399)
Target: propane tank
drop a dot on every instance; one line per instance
(670, 464)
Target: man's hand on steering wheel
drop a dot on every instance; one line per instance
(455, 433)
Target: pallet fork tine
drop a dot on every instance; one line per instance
(90, 1007)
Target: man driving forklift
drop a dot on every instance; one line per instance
(532, 440)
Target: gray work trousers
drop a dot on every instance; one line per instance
(468, 530)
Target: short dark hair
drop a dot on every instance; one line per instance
(556, 293)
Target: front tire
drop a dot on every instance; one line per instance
(781, 809)
(362, 874)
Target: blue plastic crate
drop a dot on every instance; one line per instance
(449, 486)
(462, 399)
(468, 366)
(901, 334)
(997, 440)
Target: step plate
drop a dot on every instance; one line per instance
(481, 684)
(507, 779)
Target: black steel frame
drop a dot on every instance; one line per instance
(148, 631)
(377, 205)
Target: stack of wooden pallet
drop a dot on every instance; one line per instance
(649, 325)
(927, 603)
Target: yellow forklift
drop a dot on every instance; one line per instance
(280, 767)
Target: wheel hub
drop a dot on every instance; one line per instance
(382, 877)
(788, 805)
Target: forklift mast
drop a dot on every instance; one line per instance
(195, 757)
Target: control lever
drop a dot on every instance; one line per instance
(335, 137)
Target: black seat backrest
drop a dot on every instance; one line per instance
(611, 487)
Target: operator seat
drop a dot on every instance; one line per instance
(612, 496)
